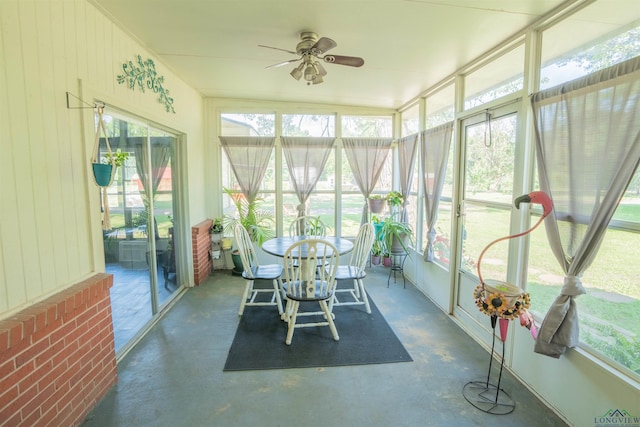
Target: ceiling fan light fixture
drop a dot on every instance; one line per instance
(296, 73)
(317, 80)
(309, 73)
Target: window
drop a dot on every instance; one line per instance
(440, 107)
(321, 202)
(248, 124)
(498, 78)
(410, 120)
(609, 313)
(308, 125)
(579, 45)
(367, 127)
(439, 111)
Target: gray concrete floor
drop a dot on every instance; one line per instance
(174, 376)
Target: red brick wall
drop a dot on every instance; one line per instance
(57, 357)
(201, 242)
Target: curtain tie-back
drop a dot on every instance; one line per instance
(429, 253)
(572, 286)
(560, 328)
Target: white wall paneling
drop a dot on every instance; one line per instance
(48, 224)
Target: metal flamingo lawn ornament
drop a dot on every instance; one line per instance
(501, 299)
(503, 302)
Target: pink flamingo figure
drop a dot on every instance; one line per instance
(526, 319)
(498, 307)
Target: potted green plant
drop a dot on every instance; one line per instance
(386, 259)
(216, 230)
(395, 200)
(377, 225)
(376, 252)
(377, 203)
(396, 236)
(103, 171)
(259, 223)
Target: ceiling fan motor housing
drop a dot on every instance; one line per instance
(308, 40)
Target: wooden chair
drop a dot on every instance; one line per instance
(307, 226)
(253, 271)
(354, 271)
(310, 226)
(304, 283)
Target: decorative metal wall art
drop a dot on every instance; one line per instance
(144, 74)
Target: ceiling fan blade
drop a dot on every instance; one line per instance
(277, 48)
(322, 45)
(321, 69)
(280, 64)
(352, 61)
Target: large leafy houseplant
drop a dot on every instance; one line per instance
(396, 236)
(259, 223)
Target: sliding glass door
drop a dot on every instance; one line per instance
(138, 222)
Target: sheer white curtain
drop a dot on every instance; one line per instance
(160, 155)
(407, 147)
(434, 155)
(249, 158)
(306, 158)
(160, 152)
(366, 157)
(588, 148)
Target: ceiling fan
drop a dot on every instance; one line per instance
(312, 50)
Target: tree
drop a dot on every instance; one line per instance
(614, 50)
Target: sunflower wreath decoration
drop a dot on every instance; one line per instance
(501, 299)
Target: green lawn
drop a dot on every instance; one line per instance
(628, 212)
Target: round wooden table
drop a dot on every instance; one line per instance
(279, 245)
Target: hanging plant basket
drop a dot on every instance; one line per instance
(102, 172)
(376, 205)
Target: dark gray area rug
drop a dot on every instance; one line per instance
(364, 339)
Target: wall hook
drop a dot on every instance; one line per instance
(86, 104)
